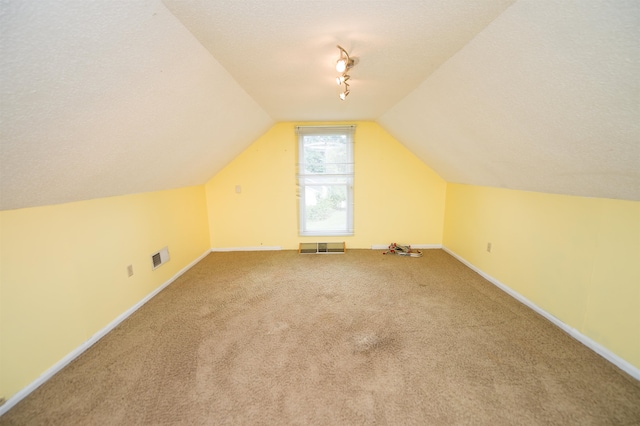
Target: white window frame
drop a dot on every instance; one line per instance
(344, 178)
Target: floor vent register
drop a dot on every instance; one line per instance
(322, 248)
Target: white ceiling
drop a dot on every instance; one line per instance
(283, 52)
(546, 98)
(114, 97)
(111, 97)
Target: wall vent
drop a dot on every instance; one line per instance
(160, 258)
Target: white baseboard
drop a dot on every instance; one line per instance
(22, 393)
(255, 248)
(413, 246)
(426, 246)
(621, 363)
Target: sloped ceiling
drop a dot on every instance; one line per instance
(113, 97)
(546, 98)
(283, 53)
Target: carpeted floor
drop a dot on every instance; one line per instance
(359, 338)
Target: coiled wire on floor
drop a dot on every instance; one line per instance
(402, 250)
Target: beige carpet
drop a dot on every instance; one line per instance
(360, 338)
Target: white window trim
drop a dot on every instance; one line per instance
(348, 130)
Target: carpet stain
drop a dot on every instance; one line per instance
(279, 327)
(373, 342)
(328, 295)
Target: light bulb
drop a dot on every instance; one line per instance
(344, 94)
(341, 65)
(342, 79)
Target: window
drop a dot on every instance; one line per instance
(325, 180)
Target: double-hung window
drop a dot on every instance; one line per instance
(325, 180)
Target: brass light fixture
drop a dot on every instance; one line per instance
(343, 65)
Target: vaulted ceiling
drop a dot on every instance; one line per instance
(114, 97)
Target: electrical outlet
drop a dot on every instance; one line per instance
(489, 247)
(130, 270)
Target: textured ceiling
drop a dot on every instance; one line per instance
(283, 52)
(111, 97)
(114, 97)
(546, 98)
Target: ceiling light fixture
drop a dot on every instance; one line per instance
(342, 79)
(344, 64)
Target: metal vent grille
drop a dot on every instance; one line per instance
(160, 258)
(322, 248)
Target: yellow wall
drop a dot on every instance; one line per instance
(63, 267)
(576, 258)
(397, 197)
(63, 270)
